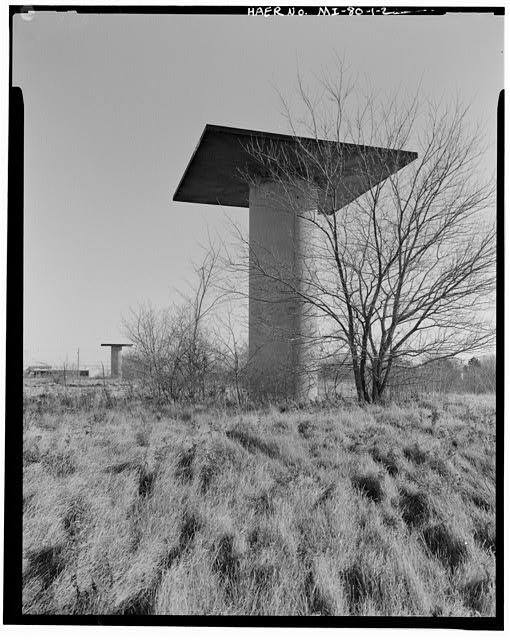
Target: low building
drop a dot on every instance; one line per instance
(50, 372)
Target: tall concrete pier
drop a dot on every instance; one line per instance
(281, 325)
(224, 171)
(116, 358)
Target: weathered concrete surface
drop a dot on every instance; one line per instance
(281, 324)
(116, 363)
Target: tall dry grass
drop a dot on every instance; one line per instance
(133, 509)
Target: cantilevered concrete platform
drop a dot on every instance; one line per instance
(219, 172)
(214, 173)
(116, 357)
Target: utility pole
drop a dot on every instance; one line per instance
(78, 374)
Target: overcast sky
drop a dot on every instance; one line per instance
(115, 105)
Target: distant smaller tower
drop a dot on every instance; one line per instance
(116, 354)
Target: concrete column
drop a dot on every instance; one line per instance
(116, 362)
(116, 357)
(281, 323)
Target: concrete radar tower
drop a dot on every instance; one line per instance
(116, 357)
(224, 171)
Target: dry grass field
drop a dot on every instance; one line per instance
(134, 509)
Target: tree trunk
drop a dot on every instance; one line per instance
(360, 386)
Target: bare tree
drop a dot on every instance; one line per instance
(405, 271)
(173, 347)
(232, 357)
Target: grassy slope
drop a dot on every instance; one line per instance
(351, 511)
